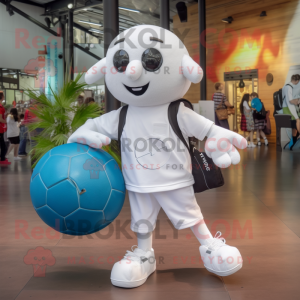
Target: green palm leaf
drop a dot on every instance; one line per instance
(58, 115)
(83, 113)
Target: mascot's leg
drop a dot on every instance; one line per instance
(137, 264)
(183, 210)
(218, 258)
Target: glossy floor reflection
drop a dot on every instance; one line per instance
(257, 210)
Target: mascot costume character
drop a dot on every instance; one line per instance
(148, 67)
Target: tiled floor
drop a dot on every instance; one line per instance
(257, 210)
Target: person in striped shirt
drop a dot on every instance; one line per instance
(219, 97)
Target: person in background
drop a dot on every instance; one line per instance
(243, 119)
(218, 98)
(3, 129)
(89, 100)
(80, 100)
(290, 109)
(13, 132)
(29, 115)
(259, 124)
(23, 137)
(247, 123)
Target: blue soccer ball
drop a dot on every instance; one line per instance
(76, 189)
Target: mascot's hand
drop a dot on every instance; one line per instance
(220, 146)
(87, 134)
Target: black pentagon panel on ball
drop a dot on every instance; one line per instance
(121, 60)
(152, 60)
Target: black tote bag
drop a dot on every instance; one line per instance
(206, 174)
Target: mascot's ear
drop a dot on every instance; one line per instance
(96, 72)
(191, 70)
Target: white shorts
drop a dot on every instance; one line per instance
(180, 206)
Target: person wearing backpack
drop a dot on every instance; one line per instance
(259, 118)
(289, 108)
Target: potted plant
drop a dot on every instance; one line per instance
(57, 116)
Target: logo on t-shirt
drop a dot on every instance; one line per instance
(151, 153)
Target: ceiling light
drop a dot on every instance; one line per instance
(227, 20)
(96, 30)
(241, 84)
(263, 14)
(70, 5)
(129, 9)
(92, 23)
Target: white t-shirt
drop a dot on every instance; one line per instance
(153, 158)
(287, 94)
(246, 105)
(12, 127)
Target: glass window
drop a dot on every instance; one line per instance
(79, 36)
(91, 39)
(10, 96)
(27, 81)
(9, 79)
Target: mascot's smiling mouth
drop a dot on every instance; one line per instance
(137, 91)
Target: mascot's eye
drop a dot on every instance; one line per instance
(152, 60)
(121, 60)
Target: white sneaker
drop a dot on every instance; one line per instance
(259, 143)
(220, 258)
(17, 158)
(266, 142)
(134, 269)
(251, 145)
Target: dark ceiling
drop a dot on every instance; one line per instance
(143, 12)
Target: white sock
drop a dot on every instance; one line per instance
(144, 241)
(201, 232)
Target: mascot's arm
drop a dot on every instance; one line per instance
(220, 142)
(98, 132)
